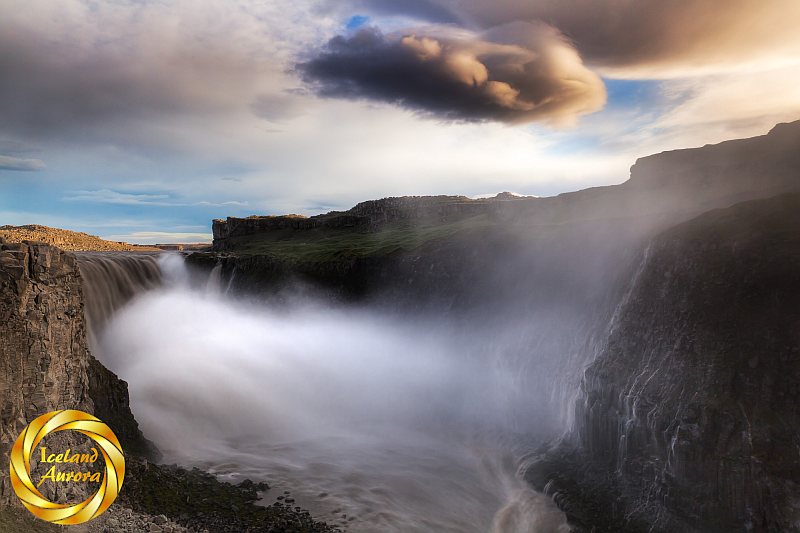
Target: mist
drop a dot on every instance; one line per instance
(401, 423)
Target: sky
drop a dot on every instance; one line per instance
(143, 120)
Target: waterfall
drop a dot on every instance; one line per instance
(112, 279)
(396, 423)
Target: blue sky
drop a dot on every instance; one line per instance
(145, 121)
(356, 21)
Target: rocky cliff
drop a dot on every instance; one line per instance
(424, 248)
(45, 362)
(688, 417)
(369, 216)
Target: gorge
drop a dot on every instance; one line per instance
(621, 358)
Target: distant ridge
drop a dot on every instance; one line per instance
(673, 185)
(73, 241)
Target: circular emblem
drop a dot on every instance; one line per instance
(110, 485)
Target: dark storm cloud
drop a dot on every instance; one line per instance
(520, 61)
(518, 73)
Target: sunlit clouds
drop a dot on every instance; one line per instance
(516, 74)
(174, 113)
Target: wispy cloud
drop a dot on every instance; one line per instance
(18, 164)
(160, 237)
(108, 196)
(217, 204)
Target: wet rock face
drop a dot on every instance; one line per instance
(45, 362)
(691, 410)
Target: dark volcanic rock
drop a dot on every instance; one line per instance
(200, 502)
(111, 405)
(689, 416)
(45, 362)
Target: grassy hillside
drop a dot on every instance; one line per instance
(322, 244)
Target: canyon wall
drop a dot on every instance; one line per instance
(369, 216)
(45, 362)
(688, 417)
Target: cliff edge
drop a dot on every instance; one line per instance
(45, 362)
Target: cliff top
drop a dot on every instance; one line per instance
(73, 241)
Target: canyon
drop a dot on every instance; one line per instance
(635, 346)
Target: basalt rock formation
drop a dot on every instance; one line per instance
(44, 355)
(688, 417)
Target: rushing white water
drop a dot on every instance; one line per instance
(115, 279)
(374, 422)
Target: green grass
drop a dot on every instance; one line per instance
(325, 244)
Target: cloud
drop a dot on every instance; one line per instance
(277, 107)
(160, 237)
(18, 164)
(429, 10)
(714, 108)
(518, 73)
(128, 72)
(638, 37)
(107, 196)
(172, 104)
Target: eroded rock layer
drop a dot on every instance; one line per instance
(45, 363)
